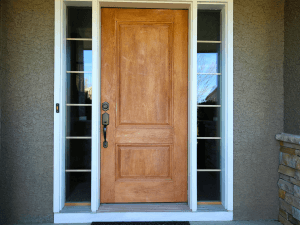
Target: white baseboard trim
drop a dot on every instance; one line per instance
(141, 216)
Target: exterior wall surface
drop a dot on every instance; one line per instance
(1, 69)
(1, 78)
(26, 158)
(258, 106)
(291, 67)
(27, 109)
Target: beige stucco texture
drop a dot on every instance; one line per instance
(27, 111)
(258, 106)
(27, 91)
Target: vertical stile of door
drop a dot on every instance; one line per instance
(229, 127)
(223, 111)
(96, 104)
(192, 109)
(227, 110)
(59, 118)
(63, 96)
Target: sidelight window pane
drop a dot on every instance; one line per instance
(79, 22)
(208, 122)
(208, 25)
(208, 154)
(78, 104)
(79, 121)
(208, 58)
(208, 186)
(208, 89)
(79, 56)
(209, 76)
(79, 87)
(78, 154)
(78, 187)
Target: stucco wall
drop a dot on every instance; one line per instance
(1, 68)
(27, 112)
(26, 161)
(258, 106)
(292, 67)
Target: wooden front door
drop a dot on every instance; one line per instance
(144, 79)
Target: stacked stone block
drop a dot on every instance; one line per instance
(289, 183)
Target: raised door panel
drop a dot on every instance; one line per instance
(145, 65)
(143, 162)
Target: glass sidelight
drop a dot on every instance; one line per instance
(208, 105)
(78, 105)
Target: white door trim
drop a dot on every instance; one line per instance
(96, 78)
(227, 92)
(141, 216)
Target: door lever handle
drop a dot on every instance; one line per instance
(105, 122)
(105, 143)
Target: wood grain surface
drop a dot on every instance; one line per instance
(144, 79)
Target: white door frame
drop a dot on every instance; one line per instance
(226, 7)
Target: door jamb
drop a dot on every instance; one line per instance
(227, 92)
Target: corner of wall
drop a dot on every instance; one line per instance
(1, 81)
(291, 67)
(1, 71)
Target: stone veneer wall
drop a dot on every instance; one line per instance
(289, 179)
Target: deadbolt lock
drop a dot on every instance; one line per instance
(105, 106)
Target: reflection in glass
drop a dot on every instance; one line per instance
(78, 187)
(208, 25)
(208, 154)
(208, 89)
(79, 22)
(78, 154)
(208, 122)
(79, 121)
(208, 58)
(208, 186)
(79, 86)
(79, 56)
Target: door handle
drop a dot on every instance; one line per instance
(105, 122)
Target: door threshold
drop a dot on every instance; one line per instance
(146, 212)
(144, 207)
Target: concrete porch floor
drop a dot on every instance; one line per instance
(250, 222)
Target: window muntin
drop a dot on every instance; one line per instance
(78, 105)
(209, 105)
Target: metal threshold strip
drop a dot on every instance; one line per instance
(144, 207)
